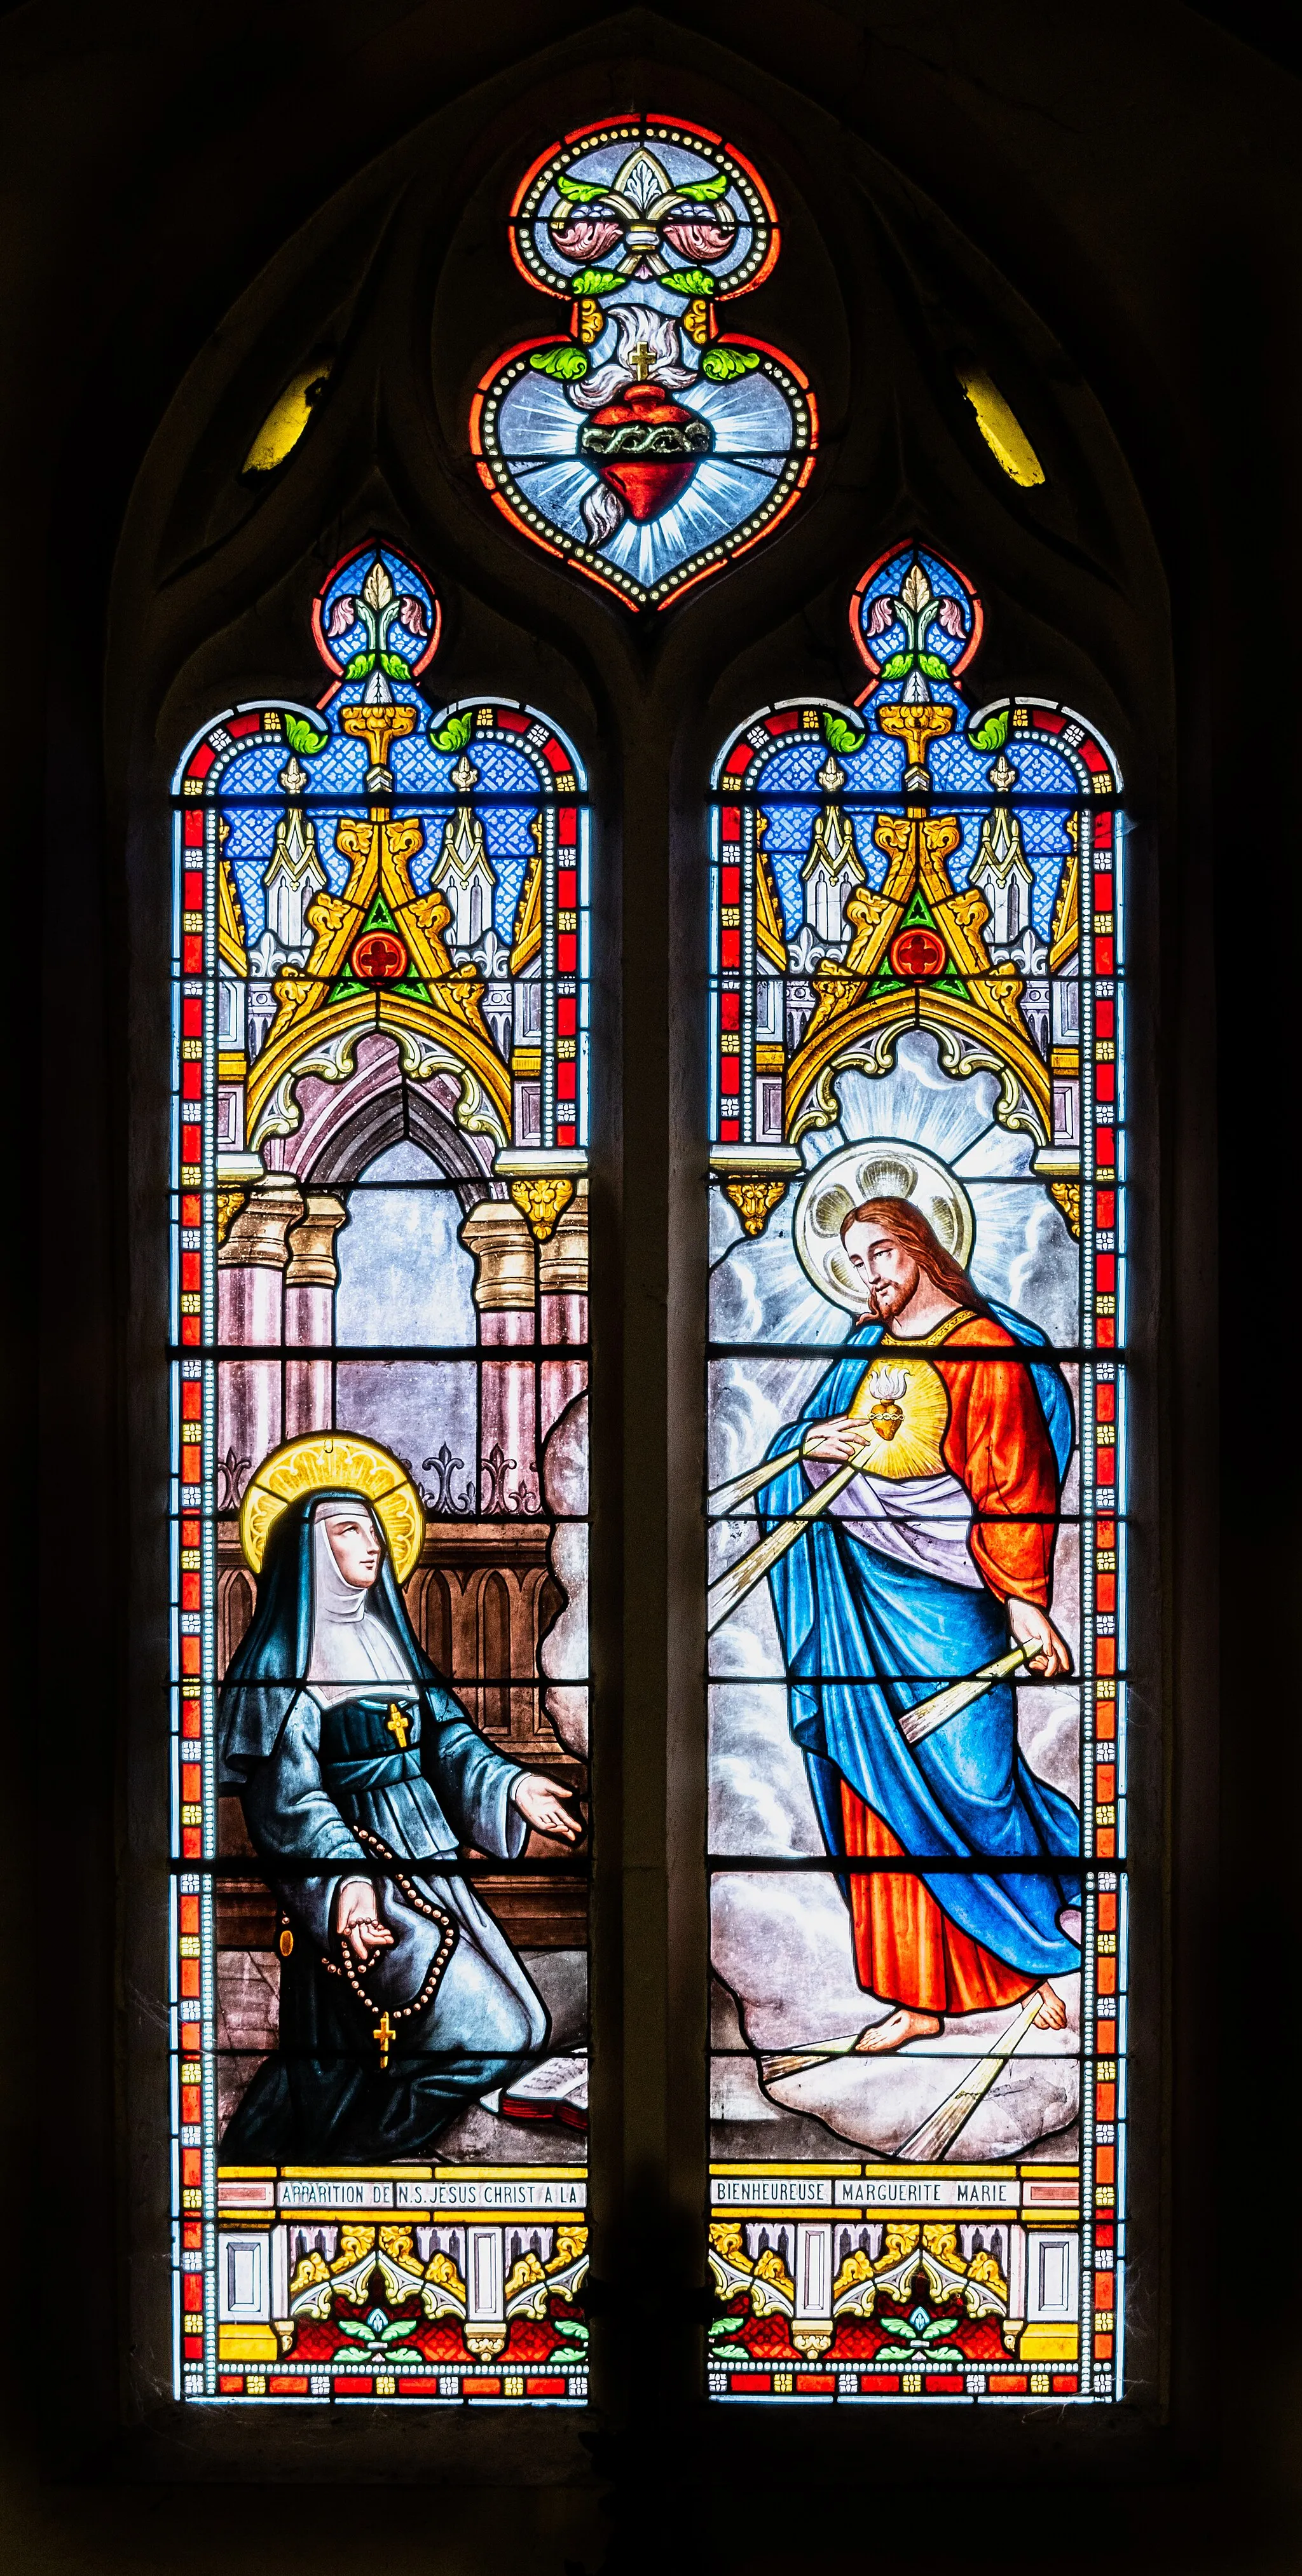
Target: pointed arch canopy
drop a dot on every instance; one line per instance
(409, 850)
(918, 808)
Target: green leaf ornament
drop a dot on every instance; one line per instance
(933, 666)
(722, 366)
(993, 734)
(704, 189)
(360, 667)
(304, 737)
(455, 734)
(688, 281)
(840, 736)
(394, 664)
(595, 281)
(579, 190)
(898, 667)
(564, 359)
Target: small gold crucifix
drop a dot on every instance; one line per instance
(639, 360)
(399, 1725)
(384, 2036)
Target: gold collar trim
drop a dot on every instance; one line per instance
(927, 1341)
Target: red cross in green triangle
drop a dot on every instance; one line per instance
(918, 915)
(380, 925)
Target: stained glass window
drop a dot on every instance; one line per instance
(379, 1490)
(917, 1533)
(647, 446)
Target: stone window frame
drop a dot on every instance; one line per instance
(648, 1235)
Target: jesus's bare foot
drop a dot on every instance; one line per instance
(882, 2037)
(1052, 2014)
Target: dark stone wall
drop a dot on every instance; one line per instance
(1105, 203)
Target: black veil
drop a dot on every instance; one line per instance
(269, 1667)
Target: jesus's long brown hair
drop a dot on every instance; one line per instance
(900, 1219)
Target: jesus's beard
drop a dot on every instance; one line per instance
(888, 1297)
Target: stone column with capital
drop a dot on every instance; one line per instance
(563, 1306)
(498, 1237)
(251, 1316)
(310, 1283)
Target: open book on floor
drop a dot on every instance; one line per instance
(556, 2090)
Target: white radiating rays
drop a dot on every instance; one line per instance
(754, 429)
(750, 1400)
(1023, 1254)
(720, 496)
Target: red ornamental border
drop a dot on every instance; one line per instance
(229, 733)
(198, 789)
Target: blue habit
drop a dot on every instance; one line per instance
(329, 1793)
(864, 1638)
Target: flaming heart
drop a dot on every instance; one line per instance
(645, 446)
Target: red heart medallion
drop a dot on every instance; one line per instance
(646, 447)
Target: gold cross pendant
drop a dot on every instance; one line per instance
(384, 2036)
(399, 1725)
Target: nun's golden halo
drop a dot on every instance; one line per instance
(334, 1461)
(880, 1167)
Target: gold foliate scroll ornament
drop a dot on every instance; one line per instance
(230, 1204)
(881, 1167)
(334, 1462)
(754, 1198)
(542, 1199)
(999, 425)
(1067, 1194)
(287, 419)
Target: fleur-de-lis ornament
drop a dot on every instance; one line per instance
(375, 607)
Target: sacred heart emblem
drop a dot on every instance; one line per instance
(905, 1410)
(886, 1412)
(646, 448)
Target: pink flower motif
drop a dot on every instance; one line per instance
(342, 616)
(698, 236)
(411, 614)
(586, 237)
(882, 616)
(951, 617)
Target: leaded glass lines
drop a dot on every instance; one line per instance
(917, 1531)
(379, 1534)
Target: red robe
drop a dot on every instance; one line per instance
(997, 1445)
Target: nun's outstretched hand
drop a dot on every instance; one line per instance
(543, 1806)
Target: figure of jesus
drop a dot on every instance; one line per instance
(938, 1551)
